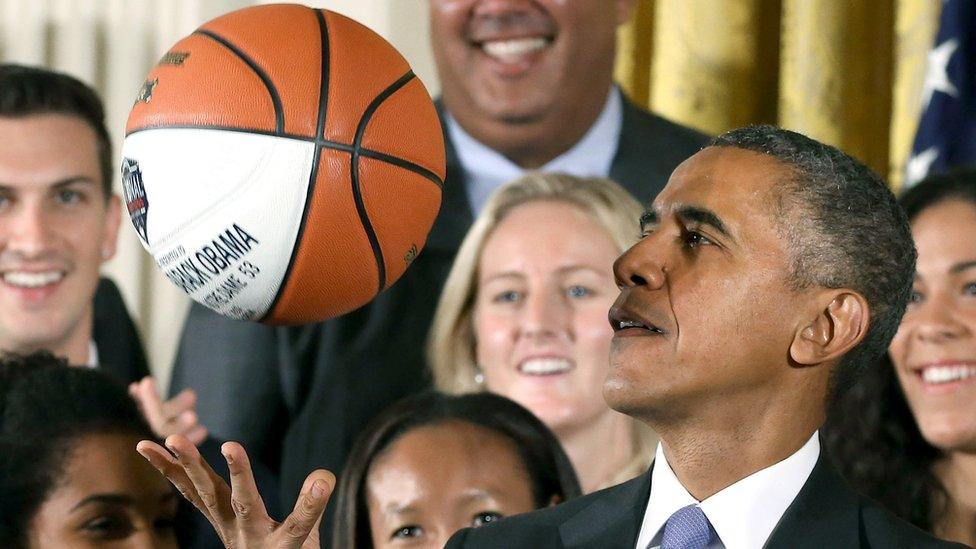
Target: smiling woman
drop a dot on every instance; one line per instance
(69, 474)
(524, 314)
(905, 433)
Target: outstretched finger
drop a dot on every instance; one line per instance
(307, 514)
(163, 461)
(244, 496)
(212, 490)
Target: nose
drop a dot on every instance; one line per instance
(545, 312)
(641, 266)
(936, 320)
(28, 230)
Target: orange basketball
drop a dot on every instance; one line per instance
(283, 164)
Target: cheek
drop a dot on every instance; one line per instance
(593, 337)
(493, 335)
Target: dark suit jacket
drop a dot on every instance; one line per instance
(298, 397)
(120, 353)
(825, 514)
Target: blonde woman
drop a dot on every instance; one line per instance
(524, 314)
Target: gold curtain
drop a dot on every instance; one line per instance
(847, 72)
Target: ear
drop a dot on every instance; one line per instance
(625, 10)
(835, 329)
(110, 230)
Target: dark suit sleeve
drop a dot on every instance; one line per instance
(233, 367)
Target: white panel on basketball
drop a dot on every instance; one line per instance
(222, 210)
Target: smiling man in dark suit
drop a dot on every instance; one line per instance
(771, 267)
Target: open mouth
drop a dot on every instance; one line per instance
(626, 322)
(944, 374)
(31, 280)
(546, 366)
(514, 49)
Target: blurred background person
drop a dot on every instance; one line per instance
(432, 464)
(904, 432)
(524, 314)
(69, 473)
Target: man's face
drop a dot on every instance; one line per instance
(518, 61)
(56, 229)
(707, 289)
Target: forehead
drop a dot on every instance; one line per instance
(943, 234)
(741, 187)
(550, 232)
(46, 147)
(444, 463)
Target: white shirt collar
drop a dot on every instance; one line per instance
(743, 514)
(486, 169)
(92, 355)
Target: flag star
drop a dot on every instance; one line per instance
(918, 166)
(936, 74)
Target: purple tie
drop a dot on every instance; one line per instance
(687, 528)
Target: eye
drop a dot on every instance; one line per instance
(109, 527)
(578, 291)
(510, 296)
(915, 297)
(969, 289)
(487, 517)
(694, 239)
(409, 531)
(69, 196)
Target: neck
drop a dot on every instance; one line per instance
(529, 143)
(599, 450)
(723, 440)
(958, 474)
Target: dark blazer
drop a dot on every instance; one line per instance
(120, 353)
(298, 397)
(825, 514)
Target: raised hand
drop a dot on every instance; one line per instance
(237, 512)
(176, 416)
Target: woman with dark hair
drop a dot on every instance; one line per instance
(432, 464)
(904, 433)
(68, 474)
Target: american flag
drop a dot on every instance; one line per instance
(946, 135)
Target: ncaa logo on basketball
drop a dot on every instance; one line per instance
(135, 196)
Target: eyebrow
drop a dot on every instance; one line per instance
(119, 500)
(687, 213)
(59, 184)
(105, 499)
(959, 267)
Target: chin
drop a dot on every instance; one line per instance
(950, 437)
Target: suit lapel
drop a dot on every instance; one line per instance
(826, 513)
(611, 520)
(455, 216)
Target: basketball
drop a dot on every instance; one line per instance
(283, 164)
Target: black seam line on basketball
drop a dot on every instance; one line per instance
(405, 164)
(272, 90)
(324, 74)
(316, 156)
(324, 143)
(354, 170)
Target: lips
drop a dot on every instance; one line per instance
(508, 51)
(546, 366)
(510, 36)
(32, 279)
(944, 373)
(626, 321)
